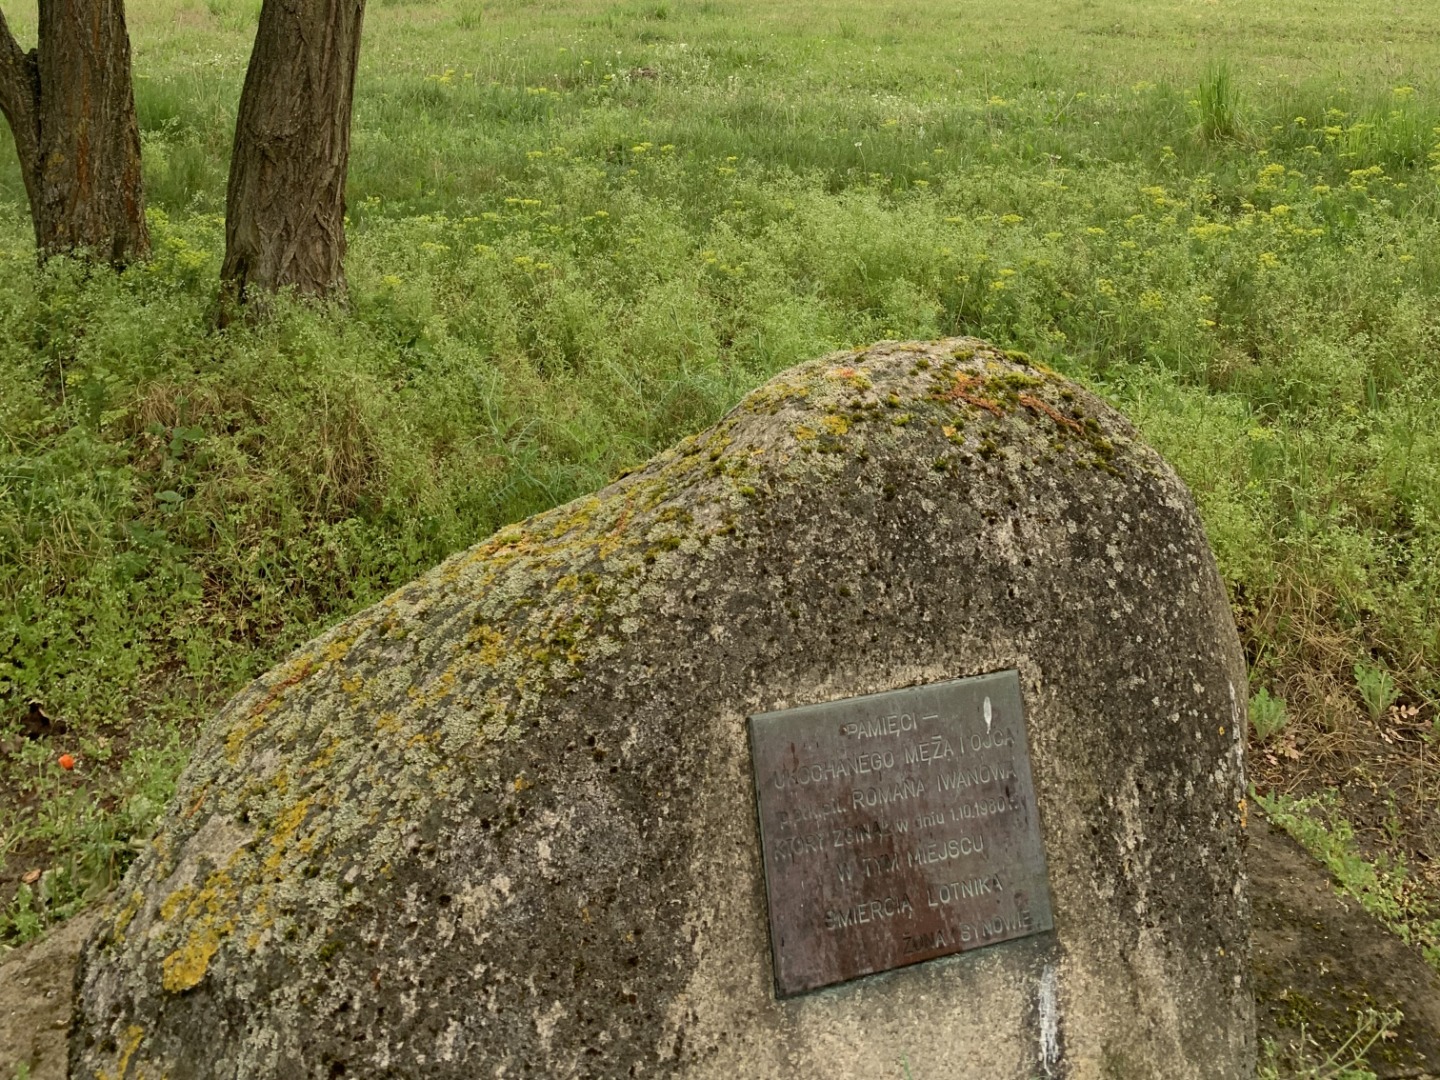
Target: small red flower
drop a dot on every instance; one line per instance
(67, 761)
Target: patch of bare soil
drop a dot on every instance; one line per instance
(1381, 759)
(1320, 962)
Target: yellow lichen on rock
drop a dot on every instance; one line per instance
(186, 966)
(126, 913)
(175, 901)
(208, 917)
(134, 1034)
(235, 740)
(285, 829)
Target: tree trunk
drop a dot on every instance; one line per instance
(285, 204)
(71, 106)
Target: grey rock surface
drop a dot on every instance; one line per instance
(35, 984)
(502, 823)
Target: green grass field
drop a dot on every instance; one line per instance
(582, 230)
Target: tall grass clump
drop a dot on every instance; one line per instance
(1218, 99)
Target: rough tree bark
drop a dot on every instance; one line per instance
(285, 204)
(71, 106)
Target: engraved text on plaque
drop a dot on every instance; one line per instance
(896, 828)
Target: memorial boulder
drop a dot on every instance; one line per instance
(893, 726)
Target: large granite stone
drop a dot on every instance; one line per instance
(502, 823)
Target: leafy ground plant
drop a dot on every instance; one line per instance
(1377, 689)
(1267, 714)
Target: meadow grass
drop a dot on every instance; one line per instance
(581, 230)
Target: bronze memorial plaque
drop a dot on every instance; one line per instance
(896, 828)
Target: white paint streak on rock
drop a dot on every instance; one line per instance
(1049, 1021)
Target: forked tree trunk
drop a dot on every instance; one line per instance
(71, 106)
(285, 204)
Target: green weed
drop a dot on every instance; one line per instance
(1267, 714)
(1377, 688)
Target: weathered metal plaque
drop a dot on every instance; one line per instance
(897, 828)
